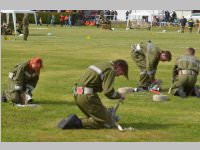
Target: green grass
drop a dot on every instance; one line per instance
(66, 54)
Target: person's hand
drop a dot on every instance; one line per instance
(28, 97)
(122, 98)
(28, 91)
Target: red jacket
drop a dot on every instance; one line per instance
(62, 18)
(66, 17)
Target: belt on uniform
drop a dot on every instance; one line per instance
(83, 90)
(187, 72)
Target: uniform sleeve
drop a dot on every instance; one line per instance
(32, 83)
(175, 70)
(108, 82)
(18, 77)
(152, 63)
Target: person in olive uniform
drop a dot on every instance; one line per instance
(97, 78)
(22, 79)
(147, 57)
(25, 26)
(184, 75)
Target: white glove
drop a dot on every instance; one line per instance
(126, 90)
(122, 96)
(28, 97)
(28, 91)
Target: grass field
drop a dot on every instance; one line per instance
(66, 54)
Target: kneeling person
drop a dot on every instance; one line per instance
(22, 79)
(97, 78)
(185, 74)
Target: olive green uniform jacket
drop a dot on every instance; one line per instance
(146, 56)
(25, 27)
(99, 77)
(185, 82)
(19, 80)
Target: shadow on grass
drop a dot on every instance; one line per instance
(51, 102)
(146, 125)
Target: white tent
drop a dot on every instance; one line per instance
(139, 14)
(122, 13)
(14, 12)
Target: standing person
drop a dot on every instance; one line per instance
(147, 57)
(185, 73)
(112, 13)
(53, 19)
(190, 25)
(108, 15)
(174, 16)
(70, 20)
(62, 18)
(97, 78)
(167, 16)
(22, 79)
(25, 26)
(66, 20)
(115, 14)
(127, 13)
(40, 21)
(183, 22)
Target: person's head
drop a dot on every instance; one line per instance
(190, 51)
(35, 64)
(165, 56)
(182, 16)
(121, 67)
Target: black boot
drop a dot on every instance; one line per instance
(71, 122)
(3, 97)
(197, 91)
(180, 93)
(142, 89)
